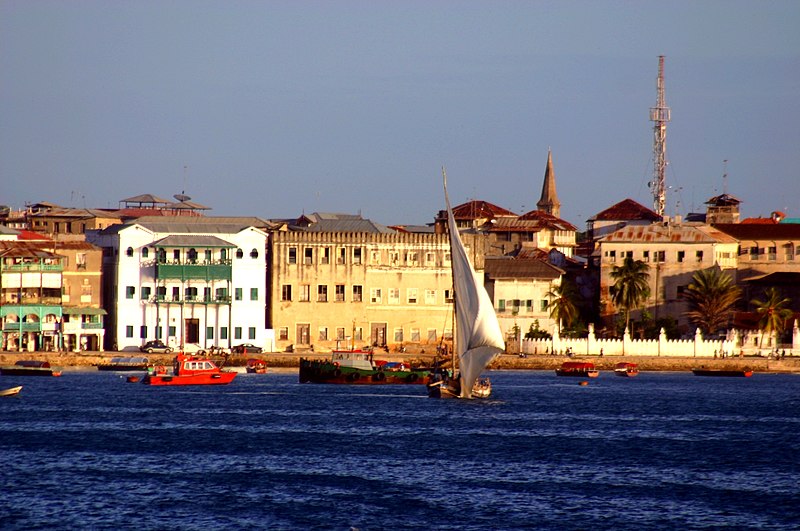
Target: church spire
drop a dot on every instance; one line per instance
(549, 202)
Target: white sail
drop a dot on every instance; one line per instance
(478, 335)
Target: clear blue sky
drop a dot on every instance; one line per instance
(273, 108)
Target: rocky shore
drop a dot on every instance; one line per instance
(89, 360)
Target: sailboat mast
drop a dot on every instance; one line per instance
(452, 275)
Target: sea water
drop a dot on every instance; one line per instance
(659, 451)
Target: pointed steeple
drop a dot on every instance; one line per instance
(549, 202)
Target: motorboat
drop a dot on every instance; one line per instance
(189, 370)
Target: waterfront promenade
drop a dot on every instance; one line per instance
(88, 360)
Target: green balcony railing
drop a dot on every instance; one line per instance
(198, 271)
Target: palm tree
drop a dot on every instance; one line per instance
(711, 296)
(631, 285)
(561, 305)
(773, 312)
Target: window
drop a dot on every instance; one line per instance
(308, 256)
(398, 335)
(145, 293)
(171, 331)
(128, 251)
(325, 255)
(612, 256)
(431, 335)
(543, 305)
(159, 332)
(412, 258)
(176, 255)
(661, 256)
(237, 293)
(340, 334)
(192, 255)
(253, 294)
(208, 255)
(145, 252)
(143, 332)
(254, 253)
(447, 258)
(161, 293)
(357, 256)
(221, 295)
(501, 306)
(239, 253)
(251, 332)
(237, 332)
(448, 296)
(128, 331)
(357, 293)
(699, 256)
(773, 253)
(283, 333)
(415, 335)
(303, 336)
(394, 296)
(322, 293)
(358, 334)
(430, 296)
(323, 334)
(130, 291)
(681, 256)
(339, 293)
(375, 295)
(223, 332)
(292, 255)
(341, 254)
(646, 256)
(305, 293)
(430, 259)
(628, 254)
(207, 294)
(412, 295)
(286, 292)
(375, 257)
(209, 332)
(190, 294)
(394, 257)
(223, 255)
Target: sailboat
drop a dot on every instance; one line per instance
(478, 338)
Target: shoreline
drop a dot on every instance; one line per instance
(291, 361)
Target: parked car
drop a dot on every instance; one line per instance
(155, 345)
(246, 348)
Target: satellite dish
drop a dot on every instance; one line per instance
(181, 197)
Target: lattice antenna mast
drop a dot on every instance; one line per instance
(660, 115)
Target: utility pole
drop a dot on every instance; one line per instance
(660, 115)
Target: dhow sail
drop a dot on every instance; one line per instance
(478, 335)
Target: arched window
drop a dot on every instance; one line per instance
(254, 253)
(145, 252)
(162, 255)
(239, 253)
(223, 254)
(208, 255)
(192, 255)
(129, 251)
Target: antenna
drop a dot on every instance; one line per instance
(660, 115)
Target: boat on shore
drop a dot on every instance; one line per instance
(189, 370)
(357, 366)
(579, 369)
(735, 373)
(625, 369)
(124, 364)
(11, 391)
(256, 366)
(478, 338)
(30, 368)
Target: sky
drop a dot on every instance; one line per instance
(278, 108)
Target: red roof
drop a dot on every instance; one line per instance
(479, 209)
(626, 210)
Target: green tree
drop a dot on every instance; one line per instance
(562, 304)
(631, 285)
(711, 296)
(773, 312)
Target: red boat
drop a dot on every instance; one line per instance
(578, 368)
(256, 366)
(189, 370)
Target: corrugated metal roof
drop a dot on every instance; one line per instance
(503, 267)
(183, 240)
(658, 233)
(626, 210)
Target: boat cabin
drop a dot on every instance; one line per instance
(357, 359)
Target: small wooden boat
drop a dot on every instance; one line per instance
(189, 370)
(256, 366)
(11, 391)
(626, 369)
(740, 373)
(30, 368)
(580, 369)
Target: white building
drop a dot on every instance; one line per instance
(188, 281)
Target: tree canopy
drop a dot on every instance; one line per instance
(711, 295)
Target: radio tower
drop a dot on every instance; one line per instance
(660, 116)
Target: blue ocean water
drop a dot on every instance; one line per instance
(659, 451)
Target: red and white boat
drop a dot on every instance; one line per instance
(626, 369)
(580, 369)
(256, 366)
(189, 370)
